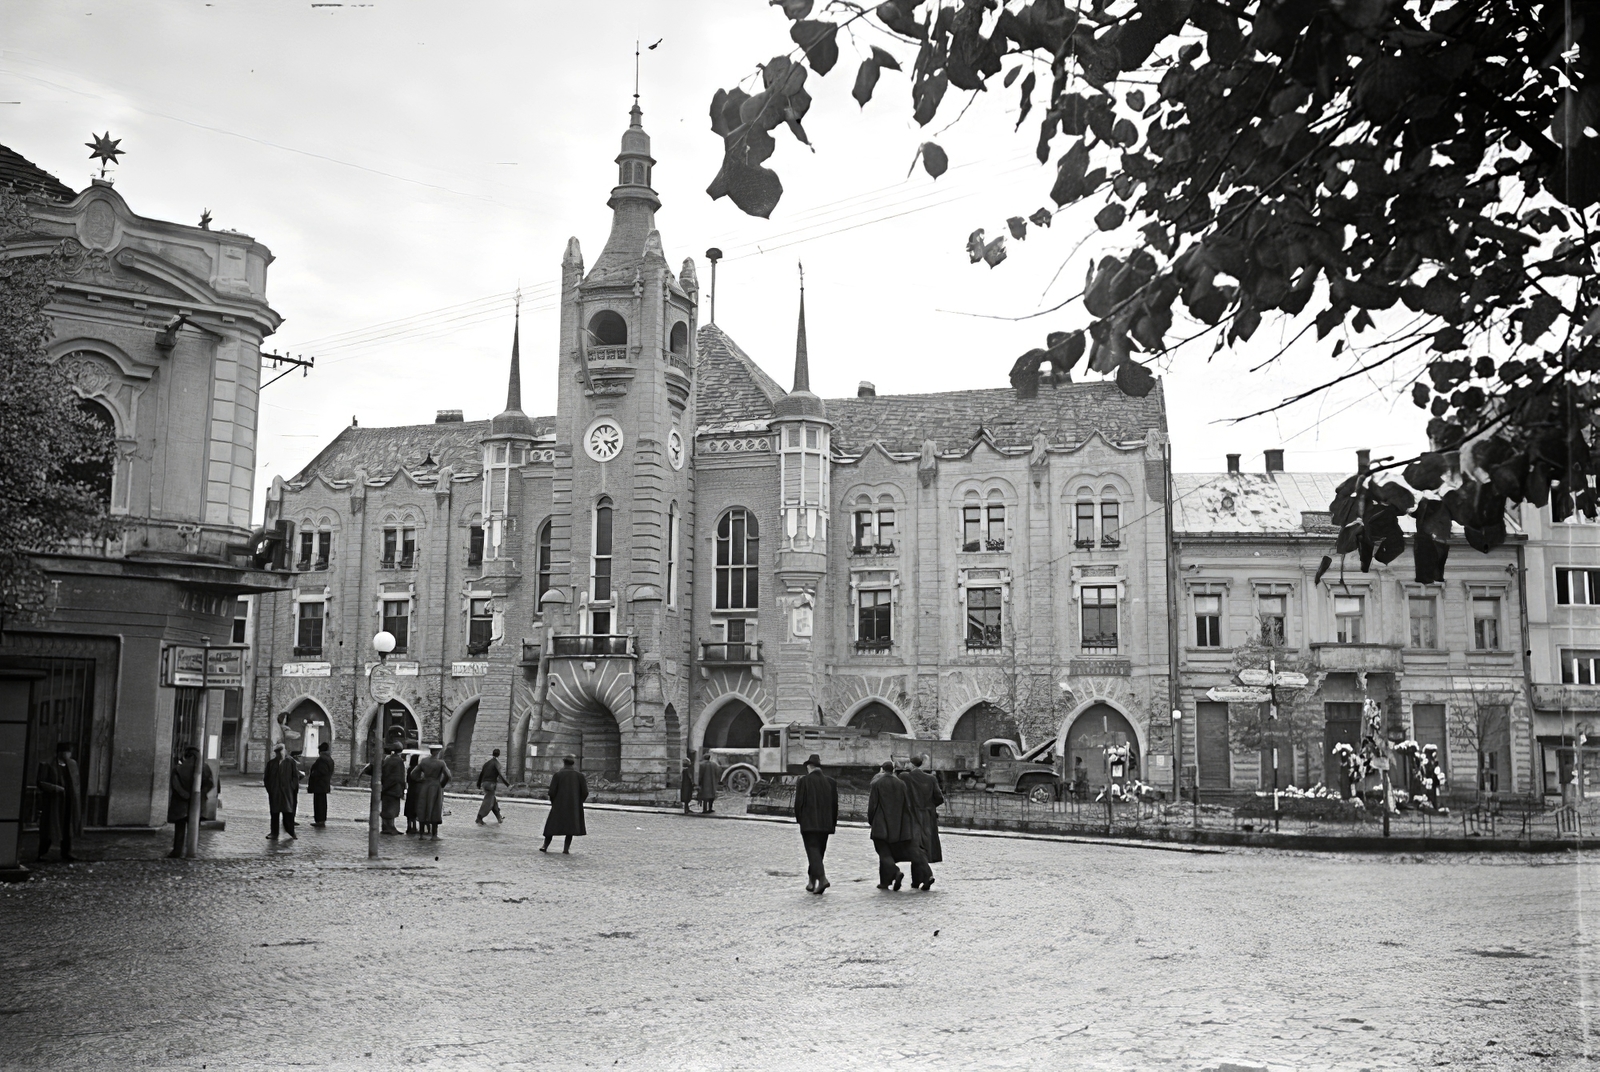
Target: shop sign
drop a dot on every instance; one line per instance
(307, 669)
(469, 669)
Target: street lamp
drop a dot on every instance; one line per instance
(380, 685)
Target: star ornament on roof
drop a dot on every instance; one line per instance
(104, 149)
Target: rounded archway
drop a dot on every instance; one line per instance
(1096, 729)
(607, 328)
(593, 737)
(735, 725)
(458, 748)
(875, 718)
(304, 726)
(985, 721)
(678, 341)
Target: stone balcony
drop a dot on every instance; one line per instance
(720, 655)
(1357, 658)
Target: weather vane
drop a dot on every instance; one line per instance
(104, 149)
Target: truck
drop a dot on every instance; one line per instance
(851, 755)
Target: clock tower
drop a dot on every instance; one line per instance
(622, 492)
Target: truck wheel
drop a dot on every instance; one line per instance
(740, 781)
(1040, 793)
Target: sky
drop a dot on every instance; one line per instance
(412, 165)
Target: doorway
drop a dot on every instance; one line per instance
(735, 725)
(1092, 732)
(1211, 745)
(876, 718)
(984, 722)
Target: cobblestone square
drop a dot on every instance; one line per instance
(667, 941)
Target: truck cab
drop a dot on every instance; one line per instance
(1035, 773)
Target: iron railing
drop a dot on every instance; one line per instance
(591, 646)
(736, 653)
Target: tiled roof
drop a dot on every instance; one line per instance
(1068, 414)
(383, 451)
(25, 177)
(731, 387)
(1251, 502)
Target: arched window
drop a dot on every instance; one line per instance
(679, 343)
(600, 573)
(876, 718)
(607, 328)
(1110, 517)
(738, 547)
(985, 722)
(543, 568)
(1083, 519)
(94, 472)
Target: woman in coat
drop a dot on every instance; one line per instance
(686, 783)
(710, 775)
(432, 776)
(568, 790)
(413, 788)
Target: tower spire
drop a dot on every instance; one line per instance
(514, 385)
(802, 366)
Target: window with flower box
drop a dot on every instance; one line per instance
(984, 610)
(309, 616)
(397, 622)
(1099, 620)
(480, 625)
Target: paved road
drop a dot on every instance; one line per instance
(672, 942)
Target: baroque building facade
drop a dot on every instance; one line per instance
(686, 551)
(158, 327)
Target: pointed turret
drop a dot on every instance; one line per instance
(633, 201)
(800, 402)
(514, 421)
(802, 364)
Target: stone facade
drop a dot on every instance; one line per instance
(1444, 660)
(159, 327)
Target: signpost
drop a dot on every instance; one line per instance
(1261, 686)
(205, 668)
(1238, 694)
(1281, 679)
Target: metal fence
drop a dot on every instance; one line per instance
(1520, 819)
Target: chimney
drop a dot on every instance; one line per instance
(448, 416)
(1275, 460)
(865, 389)
(1233, 463)
(1363, 460)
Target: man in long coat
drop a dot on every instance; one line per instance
(489, 779)
(431, 776)
(708, 776)
(816, 809)
(319, 783)
(60, 802)
(568, 790)
(686, 783)
(282, 779)
(393, 788)
(925, 801)
(894, 825)
(180, 787)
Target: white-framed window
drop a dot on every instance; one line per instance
(310, 616)
(480, 624)
(397, 622)
(1272, 610)
(983, 525)
(985, 616)
(874, 619)
(1349, 618)
(737, 638)
(600, 567)
(873, 529)
(1208, 619)
(316, 548)
(1577, 586)
(241, 620)
(1099, 619)
(1083, 523)
(1580, 667)
(1110, 518)
(1486, 623)
(1424, 617)
(672, 556)
(399, 547)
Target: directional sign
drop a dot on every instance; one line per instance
(1238, 694)
(1283, 679)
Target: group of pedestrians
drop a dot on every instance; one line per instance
(699, 781)
(902, 811)
(418, 788)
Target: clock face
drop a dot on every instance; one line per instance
(604, 441)
(675, 449)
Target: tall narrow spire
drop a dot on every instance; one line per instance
(514, 386)
(802, 366)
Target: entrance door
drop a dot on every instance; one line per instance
(313, 739)
(1343, 727)
(1091, 734)
(1211, 742)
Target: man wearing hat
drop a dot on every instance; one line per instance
(282, 781)
(180, 788)
(894, 825)
(60, 806)
(816, 809)
(568, 790)
(319, 783)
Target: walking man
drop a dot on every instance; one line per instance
(180, 788)
(319, 783)
(894, 827)
(393, 788)
(709, 775)
(925, 801)
(816, 809)
(431, 776)
(568, 790)
(60, 805)
(282, 779)
(491, 774)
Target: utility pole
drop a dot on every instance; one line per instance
(191, 839)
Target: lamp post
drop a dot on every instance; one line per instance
(380, 685)
(1177, 750)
